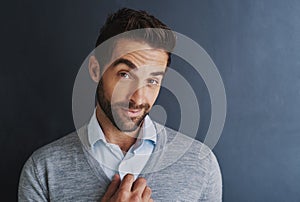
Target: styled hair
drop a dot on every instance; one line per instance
(125, 20)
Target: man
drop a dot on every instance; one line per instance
(121, 154)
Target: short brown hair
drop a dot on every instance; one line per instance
(125, 20)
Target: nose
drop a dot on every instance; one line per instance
(139, 96)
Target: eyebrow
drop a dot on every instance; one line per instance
(124, 61)
(133, 66)
(157, 73)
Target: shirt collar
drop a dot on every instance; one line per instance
(95, 133)
(148, 131)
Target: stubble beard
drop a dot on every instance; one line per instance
(117, 118)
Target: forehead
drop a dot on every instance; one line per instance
(140, 53)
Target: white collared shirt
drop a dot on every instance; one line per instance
(111, 157)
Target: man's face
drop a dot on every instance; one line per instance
(131, 83)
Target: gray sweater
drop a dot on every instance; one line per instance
(180, 169)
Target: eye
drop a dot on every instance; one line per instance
(153, 82)
(124, 75)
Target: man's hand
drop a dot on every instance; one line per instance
(127, 190)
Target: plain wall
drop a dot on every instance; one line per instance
(255, 44)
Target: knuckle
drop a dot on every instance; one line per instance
(147, 193)
(123, 194)
(149, 190)
(135, 198)
(129, 177)
(142, 180)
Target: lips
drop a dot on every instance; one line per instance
(132, 113)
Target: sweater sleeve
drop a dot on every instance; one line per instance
(30, 186)
(213, 189)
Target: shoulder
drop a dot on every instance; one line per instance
(59, 151)
(55, 158)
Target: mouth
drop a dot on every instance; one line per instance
(132, 113)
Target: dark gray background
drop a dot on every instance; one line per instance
(255, 44)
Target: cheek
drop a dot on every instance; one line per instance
(108, 91)
(119, 93)
(153, 96)
(112, 89)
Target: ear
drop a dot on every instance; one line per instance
(94, 69)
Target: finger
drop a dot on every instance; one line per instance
(150, 200)
(126, 183)
(146, 196)
(139, 186)
(113, 187)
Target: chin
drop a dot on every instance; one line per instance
(127, 124)
(128, 127)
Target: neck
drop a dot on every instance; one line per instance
(112, 134)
